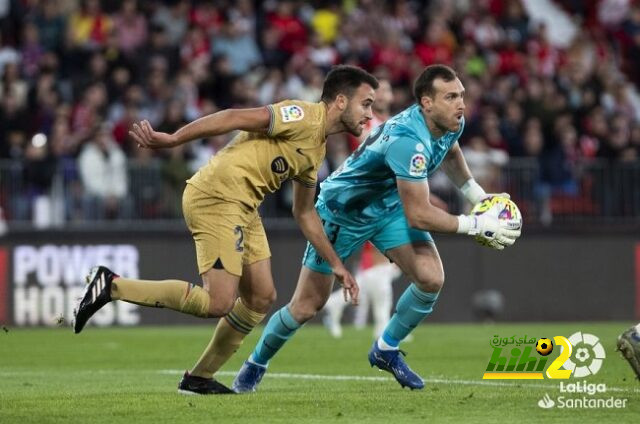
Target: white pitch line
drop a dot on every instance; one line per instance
(293, 376)
(427, 380)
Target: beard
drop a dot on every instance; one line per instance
(446, 124)
(350, 124)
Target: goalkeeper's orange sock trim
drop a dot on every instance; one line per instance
(173, 294)
(227, 338)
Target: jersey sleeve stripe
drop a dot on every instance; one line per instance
(402, 177)
(272, 119)
(304, 183)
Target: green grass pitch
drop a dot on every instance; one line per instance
(130, 375)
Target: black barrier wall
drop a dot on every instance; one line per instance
(541, 278)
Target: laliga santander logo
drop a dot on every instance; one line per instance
(587, 358)
(581, 355)
(589, 355)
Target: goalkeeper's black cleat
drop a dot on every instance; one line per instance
(629, 345)
(192, 385)
(96, 295)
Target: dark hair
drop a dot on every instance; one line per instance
(345, 79)
(424, 83)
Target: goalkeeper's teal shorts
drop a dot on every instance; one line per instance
(387, 233)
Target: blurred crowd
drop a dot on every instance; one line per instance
(75, 74)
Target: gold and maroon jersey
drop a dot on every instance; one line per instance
(254, 164)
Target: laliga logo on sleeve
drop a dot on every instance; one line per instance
(418, 165)
(291, 113)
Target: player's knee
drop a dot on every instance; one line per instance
(261, 302)
(431, 283)
(271, 298)
(220, 306)
(303, 311)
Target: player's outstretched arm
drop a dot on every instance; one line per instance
(222, 122)
(305, 214)
(423, 215)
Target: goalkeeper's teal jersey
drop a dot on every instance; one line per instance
(364, 188)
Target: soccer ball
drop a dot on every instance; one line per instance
(500, 207)
(544, 346)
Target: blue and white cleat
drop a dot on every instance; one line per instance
(248, 377)
(392, 361)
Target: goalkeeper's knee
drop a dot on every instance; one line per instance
(429, 281)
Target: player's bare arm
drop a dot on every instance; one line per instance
(222, 122)
(305, 214)
(420, 212)
(455, 166)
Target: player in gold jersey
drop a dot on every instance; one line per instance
(277, 142)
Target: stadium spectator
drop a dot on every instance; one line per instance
(89, 26)
(8, 54)
(326, 22)
(102, 165)
(238, 45)
(485, 162)
(14, 127)
(437, 44)
(291, 31)
(31, 51)
(51, 25)
(130, 27)
(12, 84)
(174, 19)
(87, 113)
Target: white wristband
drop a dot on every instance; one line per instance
(465, 224)
(472, 191)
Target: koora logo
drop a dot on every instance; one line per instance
(522, 362)
(581, 355)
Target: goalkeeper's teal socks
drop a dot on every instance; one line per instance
(413, 306)
(279, 329)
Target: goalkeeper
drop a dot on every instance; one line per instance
(381, 194)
